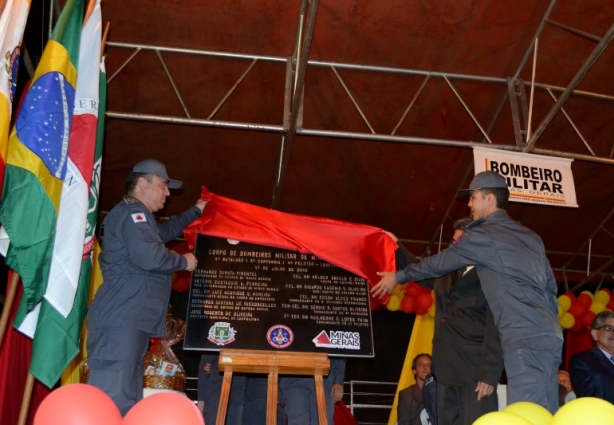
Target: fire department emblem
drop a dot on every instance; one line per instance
(280, 336)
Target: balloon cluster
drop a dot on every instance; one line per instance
(82, 404)
(412, 298)
(577, 312)
(587, 410)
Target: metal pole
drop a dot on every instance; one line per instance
(296, 101)
(475, 120)
(348, 135)
(347, 91)
(357, 67)
(588, 261)
(605, 41)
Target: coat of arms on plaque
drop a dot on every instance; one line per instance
(221, 333)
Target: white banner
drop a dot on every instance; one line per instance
(532, 179)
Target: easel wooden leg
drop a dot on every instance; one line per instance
(223, 407)
(320, 399)
(271, 400)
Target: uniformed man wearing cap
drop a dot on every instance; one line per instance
(131, 303)
(518, 284)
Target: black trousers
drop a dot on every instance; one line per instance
(459, 405)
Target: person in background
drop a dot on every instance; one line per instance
(210, 389)
(410, 404)
(298, 397)
(592, 371)
(333, 386)
(518, 284)
(254, 403)
(132, 301)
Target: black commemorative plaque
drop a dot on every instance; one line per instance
(247, 296)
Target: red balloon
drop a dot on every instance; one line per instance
(425, 301)
(182, 281)
(611, 303)
(571, 296)
(164, 409)
(425, 290)
(77, 404)
(577, 310)
(420, 311)
(408, 304)
(587, 319)
(413, 290)
(585, 300)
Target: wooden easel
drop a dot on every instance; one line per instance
(273, 363)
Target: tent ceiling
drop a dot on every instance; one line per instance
(366, 111)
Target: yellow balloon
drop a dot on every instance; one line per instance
(565, 302)
(393, 303)
(589, 293)
(567, 320)
(602, 297)
(585, 410)
(501, 418)
(534, 413)
(397, 289)
(597, 307)
(561, 311)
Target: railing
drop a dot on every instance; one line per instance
(191, 387)
(371, 401)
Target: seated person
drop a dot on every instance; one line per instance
(592, 371)
(410, 403)
(564, 386)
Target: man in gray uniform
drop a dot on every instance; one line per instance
(518, 284)
(131, 303)
(467, 359)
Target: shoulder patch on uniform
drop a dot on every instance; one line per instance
(138, 217)
(457, 240)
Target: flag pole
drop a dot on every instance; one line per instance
(25, 401)
(89, 10)
(8, 304)
(103, 41)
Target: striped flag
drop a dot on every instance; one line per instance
(37, 170)
(60, 322)
(91, 275)
(12, 24)
(74, 372)
(73, 221)
(37, 157)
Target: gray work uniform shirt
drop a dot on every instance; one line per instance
(137, 267)
(514, 272)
